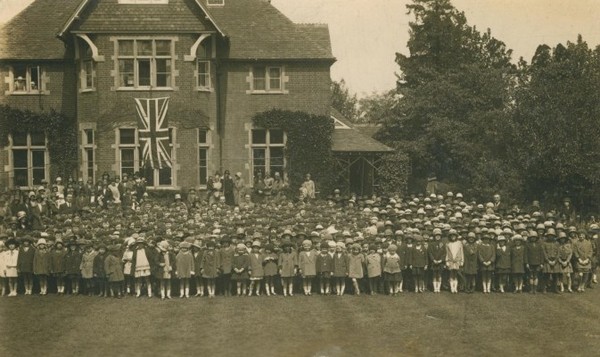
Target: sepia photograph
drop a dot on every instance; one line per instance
(319, 178)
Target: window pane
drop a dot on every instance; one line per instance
(163, 72)
(258, 161)
(148, 173)
(127, 136)
(144, 48)
(276, 162)
(259, 78)
(164, 176)
(276, 136)
(34, 78)
(203, 74)
(205, 49)
(126, 48)
(202, 137)
(259, 136)
(38, 139)
(20, 75)
(19, 139)
(38, 157)
(203, 164)
(126, 73)
(127, 161)
(38, 176)
(274, 78)
(144, 72)
(163, 47)
(20, 178)
(90, 162)
(20, 159)
(89, 136)
(89, 74)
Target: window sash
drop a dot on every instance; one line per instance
(267, 157)
(27, 79)
(267, 79)
(29, 159)
(203, 80)
(145, 63)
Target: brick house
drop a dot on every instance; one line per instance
(218, 61)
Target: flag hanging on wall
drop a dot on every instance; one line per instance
(153, 131)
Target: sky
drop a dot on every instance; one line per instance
(366, 34)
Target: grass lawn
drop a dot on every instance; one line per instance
(407, 325)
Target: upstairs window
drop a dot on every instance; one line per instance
(204, 54)
(145, 63)
(267, 79)
(27, 79)
(87, 70)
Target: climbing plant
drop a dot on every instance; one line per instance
(308, 146)
(60, 130)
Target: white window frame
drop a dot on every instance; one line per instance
(267, 147)
(206, 75)
(86, 148)
(203, 146)
(215, 2)
(136, 150)
(139, 58)
(30, 149)
(135, 2)
(283, 79)
(39, 87)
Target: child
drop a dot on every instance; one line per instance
(565, 253)
(392, 270)
(99, 274)
(486, 255)
(551, 266)
(270, 269)
(3, 279)
(356, 262)
(198, 253)
(288, 267)
(437, 255)
(404, 254)
(240, 266)
(57, 265)
(340, 268)
(41, 265)
(166, 268)
(454, 259)
(325, 266)
(11, 258)
(114, 271)
(226, 257)
(418, 263)
(534, 258)
(583, 253)
(470, 262)
(73, 266)
(517, 262)
(25, 264)
(503, 264)
(210, 267)
(256, 269)
(87, 268)
(141, 266)
(374, 268)
(307, 266)
(184, 268)
(127, 272)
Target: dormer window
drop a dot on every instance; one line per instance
(143, 1)
(215, 2)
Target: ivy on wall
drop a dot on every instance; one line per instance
(60, 130)
(308, 146)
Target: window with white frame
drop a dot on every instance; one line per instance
(89, 154)
(30, 158)
(268, 151)
(203, 151)
(128, 151)
(215, 2)
(87, 70)
(204, 54)
(145, 63)
(266, 79)
(28, 79)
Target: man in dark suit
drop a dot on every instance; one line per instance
(68, 207)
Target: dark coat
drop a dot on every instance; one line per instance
(25, 260)
(324, 263)
(72, 262)
(99, 266)
(113, 269)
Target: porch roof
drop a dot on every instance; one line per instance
(350, 139)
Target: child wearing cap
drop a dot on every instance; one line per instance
(436, 252)
(392, 270)
(551, 267)
(417, 261)
(3, 279)
(99, 274)
(307, 266)
(340, 268)
(25, 264)
(582, 251)
(288, 268)
(470, 262)
(41, 265)
(356, 262)
(211, 267)
(114, 271)
(166, 268)
(73, 266)
(184, 268)
(256, 269)
(270, 268)
(325, 266)
(374, 268)
(517, 262)
(487, 256)
(503, 264)
(57, 265)
(198, 255)
(240, 268)
(534, 258)
(87, 268)
(565, 253)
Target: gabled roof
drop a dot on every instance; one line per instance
(352, 139)
(32, 33)
(257, 30)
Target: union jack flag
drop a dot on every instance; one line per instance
(153, 131)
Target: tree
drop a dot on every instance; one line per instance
(556, 123)
(454, 90)
(377, 108)
(343, 101)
